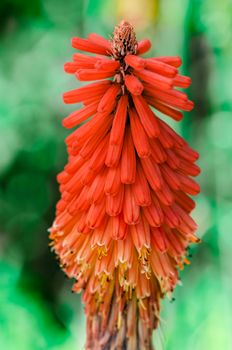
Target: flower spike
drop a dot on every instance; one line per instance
(123, 224)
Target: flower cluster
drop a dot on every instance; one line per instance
(123, 223)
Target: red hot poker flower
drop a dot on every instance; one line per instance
(123, 222)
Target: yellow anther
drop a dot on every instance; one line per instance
(101, 251)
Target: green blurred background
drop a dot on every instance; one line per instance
(37, 309)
